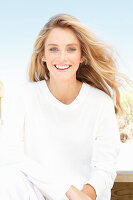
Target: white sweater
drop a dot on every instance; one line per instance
(59, 145)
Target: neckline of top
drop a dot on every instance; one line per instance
(56, 102)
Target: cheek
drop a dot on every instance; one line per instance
(49, 57)
(77, 58)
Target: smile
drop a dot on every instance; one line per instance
(62, 67)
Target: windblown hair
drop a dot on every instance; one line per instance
(99, 66)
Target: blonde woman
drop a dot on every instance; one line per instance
(62, 141)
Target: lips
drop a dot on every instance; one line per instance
(62, 67)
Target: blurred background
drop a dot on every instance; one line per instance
(21, 21)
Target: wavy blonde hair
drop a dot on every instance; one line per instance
(99, 66)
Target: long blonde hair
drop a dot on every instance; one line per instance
(99, 66)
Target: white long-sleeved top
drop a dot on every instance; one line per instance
(59, 145)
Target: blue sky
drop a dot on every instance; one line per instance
(21, 21)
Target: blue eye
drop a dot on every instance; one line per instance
(71, 49)
(53, 49)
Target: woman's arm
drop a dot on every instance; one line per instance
(106, 146)
(12, 133)
(90, 191)
(12, 139)
(74, 194)
(105, 151)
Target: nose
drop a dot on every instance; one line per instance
(62, 55)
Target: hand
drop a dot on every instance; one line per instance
(74, 194)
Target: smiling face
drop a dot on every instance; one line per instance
(62, 54)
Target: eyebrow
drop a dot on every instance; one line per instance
(51, 44)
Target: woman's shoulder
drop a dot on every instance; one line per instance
(100, 101)
(31, 91)
(22, 91)
(29, 87)
(98, 95)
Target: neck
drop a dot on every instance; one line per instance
(65, 92)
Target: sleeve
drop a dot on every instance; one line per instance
(106, 147)
(12, 133)
(12, 142)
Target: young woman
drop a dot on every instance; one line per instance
(61, 140)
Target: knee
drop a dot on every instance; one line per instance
(9, 176)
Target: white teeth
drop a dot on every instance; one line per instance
(62, 67)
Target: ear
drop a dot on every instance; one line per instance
(43, 59)
(82, 60)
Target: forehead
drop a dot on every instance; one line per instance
(61, 36)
